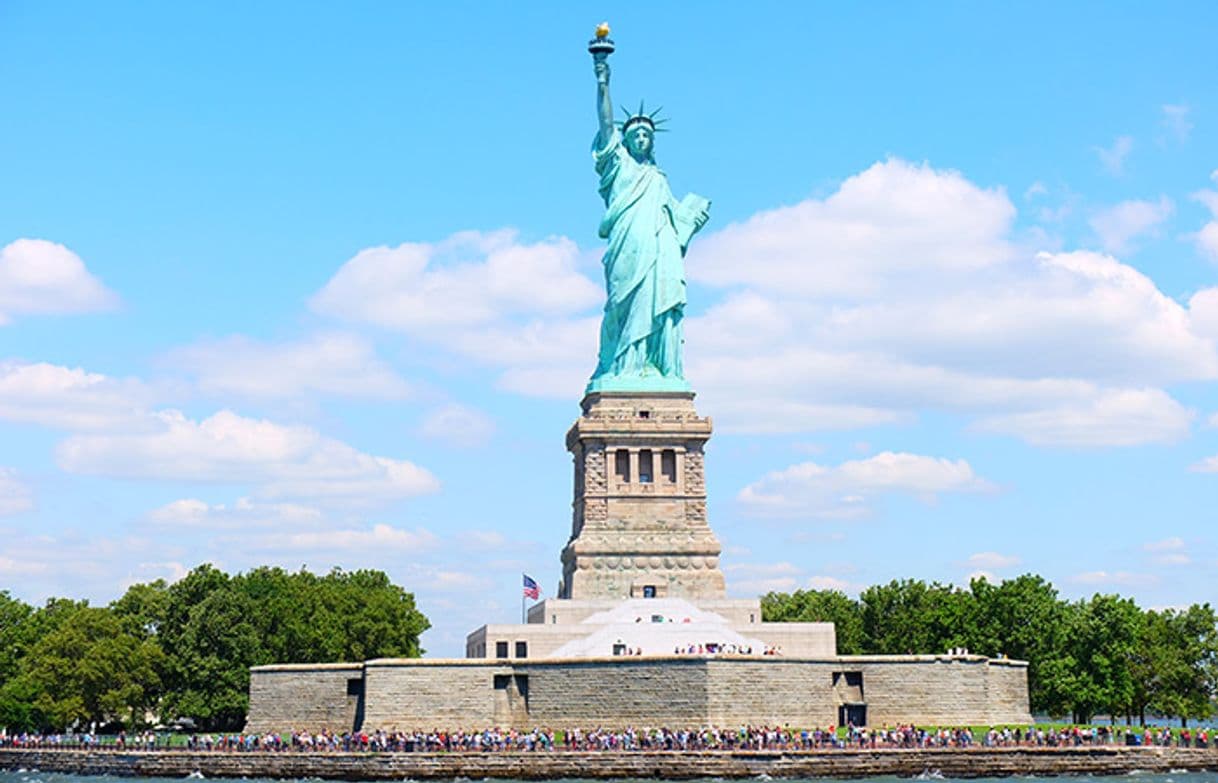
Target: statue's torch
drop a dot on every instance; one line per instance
(601, 46)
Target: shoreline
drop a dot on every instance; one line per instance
(667, 765)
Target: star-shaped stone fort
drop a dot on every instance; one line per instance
(642, 632)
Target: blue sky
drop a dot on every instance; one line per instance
(317, 284)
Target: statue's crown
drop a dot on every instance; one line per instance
(650, 119)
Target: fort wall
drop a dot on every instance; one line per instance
(306, 695)
(409, 694)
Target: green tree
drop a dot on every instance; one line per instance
(214, 628)
(24, 629)
(210, 641)
(1096, 672)
(14, 627)
(342, 616)
(185, 649)
(1146, 663)
(142, 608)
(89, 670)
(1024, 619)
(910, 616)
(1176, 669)
(819, 606)
(14, 618)
(363, 615)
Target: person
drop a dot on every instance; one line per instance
(648, 232)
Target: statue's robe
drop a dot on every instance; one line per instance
(648, 232)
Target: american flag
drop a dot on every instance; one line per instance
(531, 590)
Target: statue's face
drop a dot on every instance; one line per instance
(640, 141)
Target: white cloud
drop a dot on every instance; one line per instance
(1113, 158)
(982, 574)
(1122, 329)
(19, 567)
(894, 224)
(763, 569)
(1207, 465)
(1206, 238)
(469, 278)
(41, 277)
(244, 514)
(780, 416)
(1203, 312)
(335, 364)
(460, 581)
(15, 496)
(458, 425)
(1117, 578)
(1119, 225)
(170, 570)
(482, 539)
(378, 537)
(758, 578)
(68, 563)
(1173, 559)
(1165, 545)
(69, 398)
(830, 583)
(1128, 417)
(483, 296)
(943, 314)
(1176, 121)
(763, 585)
(815, 536)
(992, 560)
(279, 460)
(809, 489)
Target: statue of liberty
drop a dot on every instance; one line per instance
(648, 232)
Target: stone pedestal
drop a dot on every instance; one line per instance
(639, 525)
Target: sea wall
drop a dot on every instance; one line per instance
(951, 763)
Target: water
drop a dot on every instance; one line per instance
(1173, 777)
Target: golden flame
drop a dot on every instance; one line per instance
(602, 30)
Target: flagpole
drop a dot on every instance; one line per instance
(522, 607)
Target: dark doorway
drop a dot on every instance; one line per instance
(852, 715)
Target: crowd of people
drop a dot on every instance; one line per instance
(724, 648)
(629, 739)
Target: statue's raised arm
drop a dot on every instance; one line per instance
(647, 232)
(601, 47)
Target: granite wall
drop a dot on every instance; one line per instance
(311, 696)
(626, 691)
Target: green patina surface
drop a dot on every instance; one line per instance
(648, 232)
